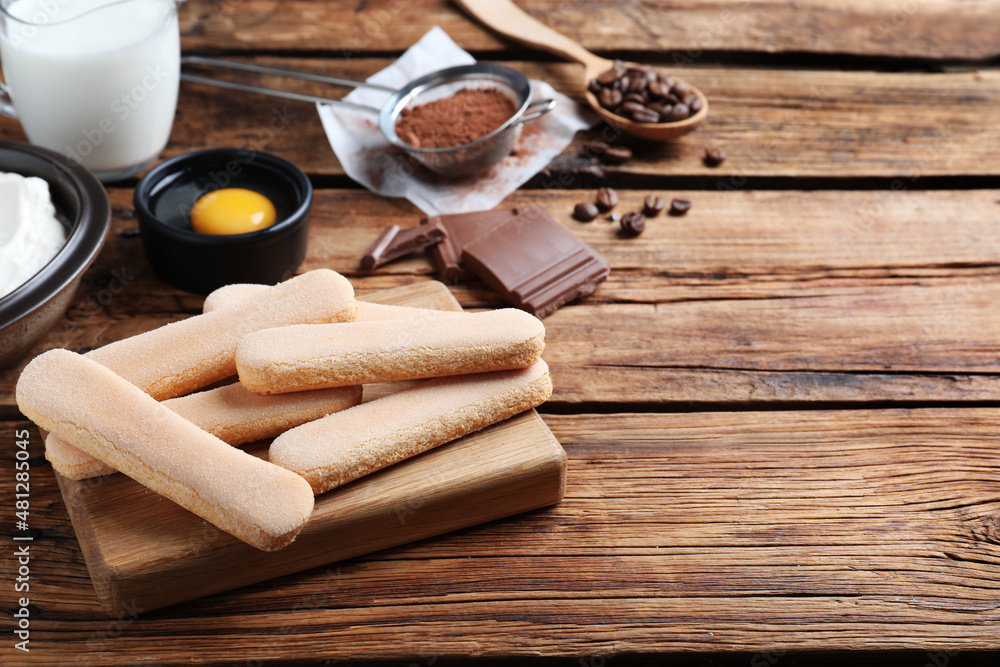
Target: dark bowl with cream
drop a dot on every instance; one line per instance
(81, 203)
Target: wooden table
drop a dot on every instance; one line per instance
(781, 410)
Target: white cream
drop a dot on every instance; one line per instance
(30, 233)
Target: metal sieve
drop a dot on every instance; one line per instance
(452, 161)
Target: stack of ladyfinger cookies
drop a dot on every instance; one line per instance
(302, 350)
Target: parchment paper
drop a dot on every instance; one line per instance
(370, 160)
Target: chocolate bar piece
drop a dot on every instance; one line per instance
(461, 229)
(535, 263)
(394, 243)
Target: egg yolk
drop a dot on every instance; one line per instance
(232, 211)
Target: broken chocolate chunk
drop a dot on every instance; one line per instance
(394, 243)
(536, 263)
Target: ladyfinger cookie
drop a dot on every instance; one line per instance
(347, 445)
(228, 295)
(230, 413)
(301, 357)
(181, 357)
(95, 410)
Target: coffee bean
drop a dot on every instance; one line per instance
(595, 86)
(585, 212)
(689, 98)
(629, 108)
(635, 97)
(617, 154)
(609, 76)
(610, 98)
(661, 107)
(696, 105)
(657, 89)
(679, 112)
(644, 115)
(633, 223)
(607, 199)
(680, 89)
(652, 205)
(637, 84)
(714, 156)
(679, 206)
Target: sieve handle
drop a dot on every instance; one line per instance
(537, 109)
(274, 92)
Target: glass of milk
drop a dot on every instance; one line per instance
(94, 80)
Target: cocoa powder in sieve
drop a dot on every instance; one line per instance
(451, 121)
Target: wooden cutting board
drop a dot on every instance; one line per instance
(145, 552)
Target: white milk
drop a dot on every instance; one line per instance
(100, 88)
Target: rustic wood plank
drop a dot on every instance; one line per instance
(681, 29)
(752, 297)
(713, 531)
(771, 123)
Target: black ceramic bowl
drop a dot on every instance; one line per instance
(28, 312)
(201, 263)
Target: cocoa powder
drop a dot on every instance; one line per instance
(451, 121)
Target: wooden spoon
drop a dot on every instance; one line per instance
(507, 19)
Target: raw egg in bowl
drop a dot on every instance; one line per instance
(225, 215)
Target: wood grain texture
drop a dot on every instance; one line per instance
(691, 535)
(145, 551)
(712, 531)
(680, 29)
(770, 122)
(752, 297)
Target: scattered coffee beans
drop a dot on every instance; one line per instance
(585, 212)
(644, 95)
(714, 156)
(606, 199)
(633, 223)
(679, 206)
(610, 154)
(652, 205)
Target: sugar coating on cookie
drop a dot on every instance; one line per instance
(231, 413)
(95, 410)
(238, 416)
(301, 357)
(373, 312)
(228, 295)
(347, 445)
(184, 356)
(71, 462)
